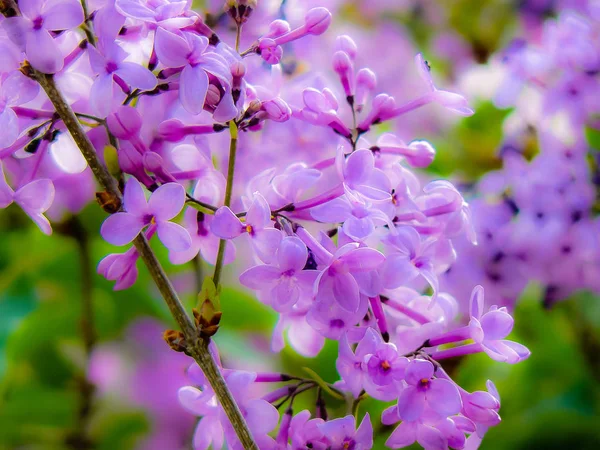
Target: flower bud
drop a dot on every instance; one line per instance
(278, 28)
(317, 20)
(125, 122)
(345, 44)
(422, 155)
(171, 130)
(277, 110)
(270, 51)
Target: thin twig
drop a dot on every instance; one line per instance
(198, 347)
(228, 191)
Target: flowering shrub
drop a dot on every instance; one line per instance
(270, 165)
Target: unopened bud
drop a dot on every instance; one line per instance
(125, 122)
(176, 340)
(317, 20)
(345, 44)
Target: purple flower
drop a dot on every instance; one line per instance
(450, 100)
(164, 204)
(385, 366)
(15, 90)
(189, 51)
(34, 198)
(423, 390)
(360, 175)
(214, 426)
(108, 61)
(285, 281)
(31, 31)
(349, 364)
(166, 13)
(120, 267)
(306, 433)
(341, 433)
(264, 239)
(359, 217)
(489, 330)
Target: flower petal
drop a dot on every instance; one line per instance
(167, 201)
(260, 277)
(136, 76)
(43, 52)
(193, 85)
(226, 224)
(134, 199)
(63, 15)
(292, 254)
(443, 397)
(121, 228)
(173, 236)
(411, 404)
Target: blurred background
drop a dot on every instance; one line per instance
(129, 401)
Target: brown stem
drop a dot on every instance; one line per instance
(198, 347)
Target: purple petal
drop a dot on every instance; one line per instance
(336, 210)
(135, 9)
(443, 397)
(404, 435)
(259, 213)
(431, 438)
(226, 224)
(411, 404)
(292, 254)
(265, 243)
(167, 201)
(345, 291)
(173, 236)
(136, 76)
(101, 95)
(363, 259)
(121, 228)
(134, 199)
(41, 221)
(193, 85)
(63, 15)
(17, 89)
(476, 308)
(418, 370)
(496, 324)
(364, 433)
(9, 124)
(30, 8)
(43, 52)
(359, 166)
(390, 415)
(171, 49)
(358, 229)
(35, 197)
(6, 193)
(262, 416)
(397, 271)
(260, 277)
(284, 294)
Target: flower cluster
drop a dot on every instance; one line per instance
(280, 156)
(536, 220)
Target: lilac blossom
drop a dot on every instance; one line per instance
(31, 32)
(164, 204)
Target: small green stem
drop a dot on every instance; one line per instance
(228, 191)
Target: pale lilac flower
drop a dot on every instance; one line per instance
(489, 330)
(285, 280)
(264, 239)
(305, 432)
(31, 31)
(164, 204)
(190, 52)
(15, 90)
(214, 426)
(120, 267)
(108, 61)
(423, 390)
(341, 433)
(34, 198)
